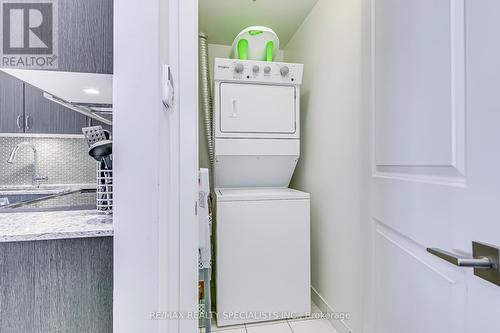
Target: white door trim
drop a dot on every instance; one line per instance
(182, 274)
(188, 159)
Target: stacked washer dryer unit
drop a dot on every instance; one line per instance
(263, 250)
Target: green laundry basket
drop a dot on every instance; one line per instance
(256, 43)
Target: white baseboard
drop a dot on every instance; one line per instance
(339, 324)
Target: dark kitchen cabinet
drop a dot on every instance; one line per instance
(11, 104)
(17, 291)
(44, 116)
(85, 38)
(85, 45)
(63, 285)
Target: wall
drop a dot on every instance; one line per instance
(155, 178)
(332, 166)
(215, 51)
(64, 159)
(138, 164)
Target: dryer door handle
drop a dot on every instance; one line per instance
(235, 110)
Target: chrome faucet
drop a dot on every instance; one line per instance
(36, 179)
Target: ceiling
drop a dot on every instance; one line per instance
(222, 20)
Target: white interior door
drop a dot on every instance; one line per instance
(436, 162)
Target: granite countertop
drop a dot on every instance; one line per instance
(31, 226)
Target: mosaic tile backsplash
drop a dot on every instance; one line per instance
(63, 159)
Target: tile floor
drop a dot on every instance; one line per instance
(300, 325)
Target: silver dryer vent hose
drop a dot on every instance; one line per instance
(206, 96)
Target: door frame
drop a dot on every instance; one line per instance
(368, 98)
(185, 52)
(181, 246)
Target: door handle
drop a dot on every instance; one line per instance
(235, 113)
(27, 122)
(462, 262)
(485, 260)
(18, 121)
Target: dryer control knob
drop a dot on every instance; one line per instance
(255, 69)
(267, 69)
(284, 70)
(238, 68)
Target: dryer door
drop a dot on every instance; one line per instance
(253, 108)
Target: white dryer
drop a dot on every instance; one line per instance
(256, 122)
(262, 226)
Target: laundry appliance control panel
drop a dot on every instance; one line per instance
(257, 71)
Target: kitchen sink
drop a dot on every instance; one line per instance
(6, 190)
(47, 197)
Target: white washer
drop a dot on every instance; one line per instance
(263, 254)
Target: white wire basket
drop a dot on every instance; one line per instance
(104, 189)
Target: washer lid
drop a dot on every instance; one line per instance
(259, 193)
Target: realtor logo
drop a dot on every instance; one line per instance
(29, 33)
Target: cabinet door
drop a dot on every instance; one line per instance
(74, 285)
(17, 287)
(44, 116)
(85, 45)
(86, 36)
(11, 104)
